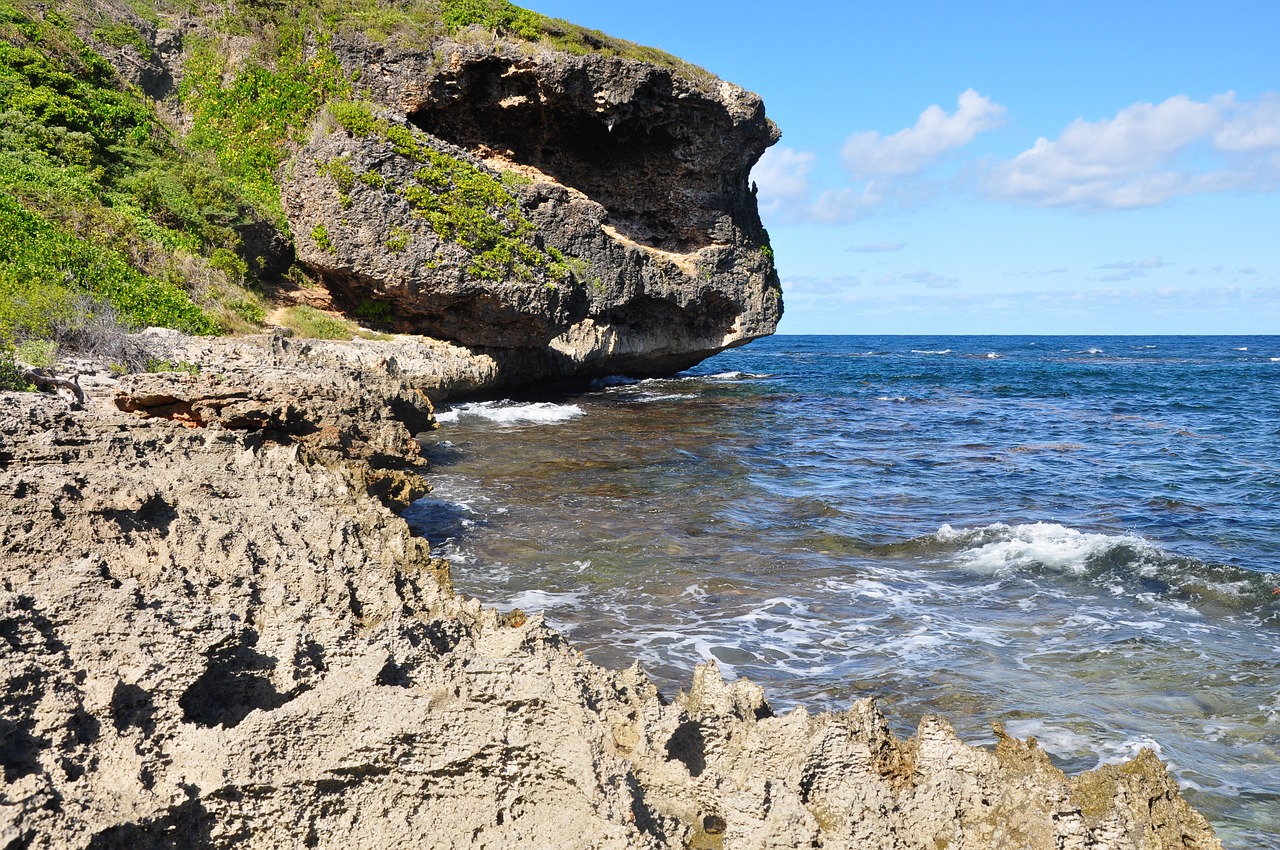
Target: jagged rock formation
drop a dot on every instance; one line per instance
(214, 633)
(648, 252)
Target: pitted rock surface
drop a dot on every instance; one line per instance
(638, 174)
(213, 634)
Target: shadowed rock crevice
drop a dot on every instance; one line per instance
(641, 159)
(236, 682)
(188, 826)
(689, 747)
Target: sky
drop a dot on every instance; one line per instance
(999, 167)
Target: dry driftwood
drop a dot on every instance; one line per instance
(45, 379)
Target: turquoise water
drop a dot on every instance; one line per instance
(1078, 537)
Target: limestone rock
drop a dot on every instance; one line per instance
(214, 634)
(621, 186)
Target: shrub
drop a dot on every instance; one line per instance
(320, 234)
(42, 267)
(397, 239)
(374, 311)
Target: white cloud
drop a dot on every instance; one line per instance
(1146, 156)
(886, 170)
(1130, 269)
(1249, 128)
(782, 176)
(868, 155)
(807, 292)
(1038, 272)
(878, 247)
(928, 278)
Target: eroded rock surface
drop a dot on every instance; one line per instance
(636, 176)
(215, 634)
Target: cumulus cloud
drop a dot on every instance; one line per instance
(1249, 128)
(869, 155)
(885, 171)
(1147, 155)
(878, 247)
(782, 178)
(1130, 269)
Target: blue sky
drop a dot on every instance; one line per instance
(1004, 167)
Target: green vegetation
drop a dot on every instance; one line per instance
(398, 239)
(320, 234)
(109, 214)
(122, 34)
(462, 203)
(43, 268)
(104, 214)
(513, 181)
(310, 323)
(252, 123)
(374, 311)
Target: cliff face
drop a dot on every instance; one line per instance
(215, 634)
(617, 231)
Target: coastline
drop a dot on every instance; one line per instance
(225, 634)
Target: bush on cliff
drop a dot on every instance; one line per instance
(102, 210)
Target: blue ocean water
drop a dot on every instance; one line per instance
(1077, 537)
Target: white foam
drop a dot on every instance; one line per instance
(648, 397)
(918, 351)
(542, 600)
(1092, 351)
(991, 355)
(514, 413)
(1055, 739)
(1001, 548)
(1243, 348)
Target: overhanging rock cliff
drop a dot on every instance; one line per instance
(571, 215)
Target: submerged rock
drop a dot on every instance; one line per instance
(216, 634)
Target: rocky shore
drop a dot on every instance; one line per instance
(218, 633)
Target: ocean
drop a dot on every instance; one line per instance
(1076, 537)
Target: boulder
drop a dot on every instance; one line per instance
(571, 215)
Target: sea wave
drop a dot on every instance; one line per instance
(1122, 564)
(513, 413)
(926, 351)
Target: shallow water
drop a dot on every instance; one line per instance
(1076, 537)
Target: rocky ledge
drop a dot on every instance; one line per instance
(216, 632)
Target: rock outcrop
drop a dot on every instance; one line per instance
(214, 633)
(569, 215)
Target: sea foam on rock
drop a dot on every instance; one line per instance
(216, 634)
